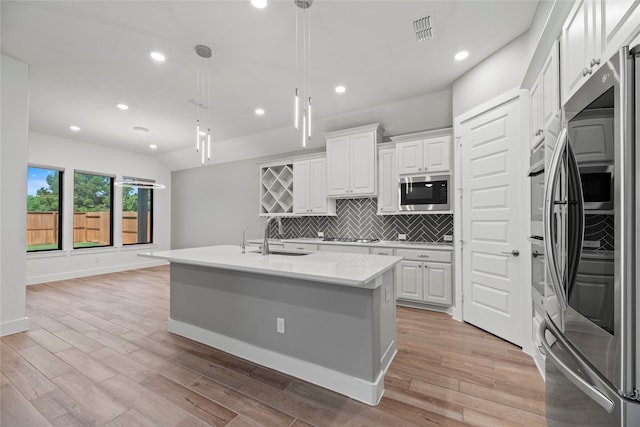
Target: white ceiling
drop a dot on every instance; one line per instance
(86, 56)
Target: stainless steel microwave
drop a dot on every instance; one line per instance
(424, 193)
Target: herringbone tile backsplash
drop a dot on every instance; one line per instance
(357, 218)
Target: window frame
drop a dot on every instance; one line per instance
(151, 217)
(61, 175)
(111, 208)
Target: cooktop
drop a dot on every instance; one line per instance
(350, 240)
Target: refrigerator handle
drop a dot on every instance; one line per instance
(575, 219)
(548, 208)
(589, 389)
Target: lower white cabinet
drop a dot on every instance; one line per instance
(344, 248)
(425, 276)
(309, 247)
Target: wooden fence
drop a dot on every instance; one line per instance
(42, 227)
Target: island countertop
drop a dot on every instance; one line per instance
(348, 269)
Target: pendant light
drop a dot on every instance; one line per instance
(203, 102)
(305, 92)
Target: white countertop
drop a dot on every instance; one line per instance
(349, 269)
(447, 246)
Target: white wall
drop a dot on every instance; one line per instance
(14, 94)
(494, 76)
(46, 150)
(424, 112)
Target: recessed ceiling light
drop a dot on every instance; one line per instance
(74, 128)
(461, 55)
(153, 146)
(340, 89)
(259, 4)
(122, 106)
(157, 56)
(259, 111)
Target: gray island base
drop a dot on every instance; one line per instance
(327, 318)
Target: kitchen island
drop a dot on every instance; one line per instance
(327, 318)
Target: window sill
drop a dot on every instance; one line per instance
(46, 254)
(139, 247)
(82, 251)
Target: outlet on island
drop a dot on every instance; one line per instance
(280, 325)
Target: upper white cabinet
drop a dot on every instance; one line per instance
(545, 95)
(387, 181)
(619, 19)
(424, 156)
(581, 45)
(351, 161)
(310, 188)
(592, 33)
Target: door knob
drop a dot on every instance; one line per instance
(514, 252)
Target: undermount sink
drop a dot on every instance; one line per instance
(283, 252)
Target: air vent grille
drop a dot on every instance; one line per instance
(424, 28)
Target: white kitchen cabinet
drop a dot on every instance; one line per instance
(619, 20)
(310, 188)
(424, 156)
(276, 189)
(545, 96)
(387, 181)
(351, 161)
(307, 247)
(425, 276)
(581, 46)
(344, 248)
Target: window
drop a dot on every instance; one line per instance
(92, 210)
(44, 209)
(137, 212)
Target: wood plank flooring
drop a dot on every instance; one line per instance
(98, 353)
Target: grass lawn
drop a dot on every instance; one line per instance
(52, 246)
(47, 247)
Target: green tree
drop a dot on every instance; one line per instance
(129, 199)
(46, 199)
(92, 193)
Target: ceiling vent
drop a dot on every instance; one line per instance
(424, 28)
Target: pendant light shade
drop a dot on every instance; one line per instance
(204, 77)
(304, 33)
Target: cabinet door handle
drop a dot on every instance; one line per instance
(594, 61)
(423, 256)
(586, 71)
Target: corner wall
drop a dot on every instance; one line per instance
(494, 76)
(47, 150)
(14, 96)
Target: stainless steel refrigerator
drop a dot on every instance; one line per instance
(591, 331)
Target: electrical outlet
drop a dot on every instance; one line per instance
(402, 237)
(97, 259)
(387, 294)
(280, 325)
(320, 233)
(448, 238)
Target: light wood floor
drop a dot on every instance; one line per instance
(98, 353)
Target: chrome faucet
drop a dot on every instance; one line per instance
(244, 239)
(265, 244)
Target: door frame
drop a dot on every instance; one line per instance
(522, 242)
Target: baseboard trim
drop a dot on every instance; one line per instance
(356, 388)
(45, 278)
(14, 326)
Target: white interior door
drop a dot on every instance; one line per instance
(493, 219)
